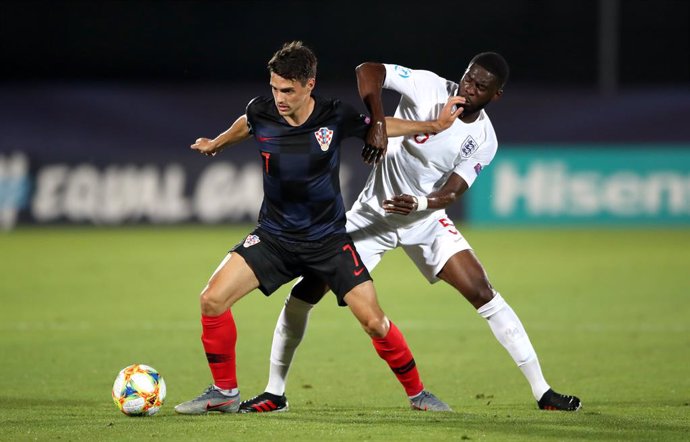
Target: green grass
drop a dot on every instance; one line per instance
(607, 310)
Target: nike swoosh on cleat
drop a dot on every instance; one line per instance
(210, 407)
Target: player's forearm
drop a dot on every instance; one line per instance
(448, 193)
(396, 127)
(435, 201)
(405, 204)
(370, 77)
(239, 131)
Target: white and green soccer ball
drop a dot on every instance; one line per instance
(139, 390)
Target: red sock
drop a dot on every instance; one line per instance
(394, 350)
(219, 338)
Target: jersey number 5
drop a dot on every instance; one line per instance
(448, 224)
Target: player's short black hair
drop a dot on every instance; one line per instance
(494, 63)
(294, 61)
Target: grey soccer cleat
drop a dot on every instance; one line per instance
(426, 401)
(210, 400)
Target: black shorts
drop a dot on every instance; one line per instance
(276, 262)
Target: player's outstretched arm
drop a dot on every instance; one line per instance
(445, 196)
(239, 131)
(370, 77)
(450, 112)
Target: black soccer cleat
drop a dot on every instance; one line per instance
(556, 401)
(264, 403)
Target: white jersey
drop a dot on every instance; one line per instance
(421, 164)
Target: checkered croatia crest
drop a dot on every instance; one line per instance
(251, 240)
(324, 136)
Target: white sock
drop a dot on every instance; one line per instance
(509, 331)
(289, 331)
(231, 392)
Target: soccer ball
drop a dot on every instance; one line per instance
(139, 390)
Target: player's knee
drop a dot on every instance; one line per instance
(376, 327)
(480, 293)
(296, 306)
(211, 305)
(486, 293)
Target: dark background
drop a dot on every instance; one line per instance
(548, 43)
(97, 84)
(163, 71)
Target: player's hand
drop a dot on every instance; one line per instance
(371, 154)
(205, 146)
(450, 112)
(375, 143)
(401, 204)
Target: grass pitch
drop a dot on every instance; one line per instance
(607, 310)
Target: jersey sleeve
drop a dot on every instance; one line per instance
(250, 112)
(412, 84)
(471, 165)
(353, 123)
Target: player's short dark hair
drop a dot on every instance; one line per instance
(494, 63)
(294, 61)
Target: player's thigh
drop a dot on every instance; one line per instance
(338, 264)
(272, 264)
(231, 281)
(432, 243)
(464, 272)
(364, 305)
(372, 236)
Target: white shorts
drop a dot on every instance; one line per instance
(429, 243)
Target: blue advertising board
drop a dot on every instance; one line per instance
(588, 184)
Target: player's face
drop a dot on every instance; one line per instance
(479, 87)
(291, 96)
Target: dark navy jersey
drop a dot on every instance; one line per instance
(301, 164)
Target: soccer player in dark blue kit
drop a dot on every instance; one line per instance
(301, 228)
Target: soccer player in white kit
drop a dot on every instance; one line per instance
(403, 205)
